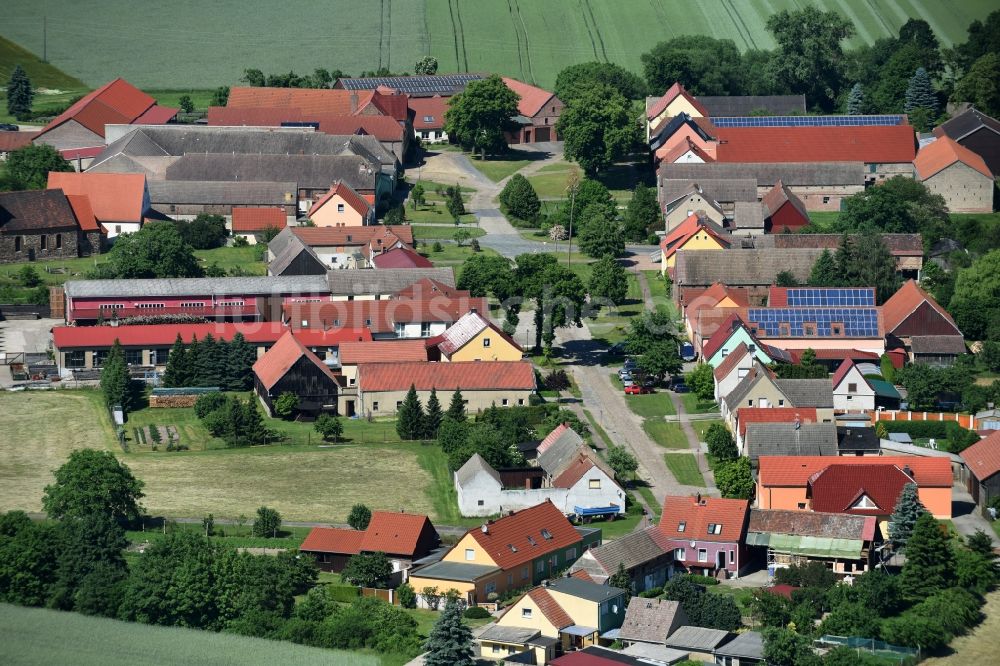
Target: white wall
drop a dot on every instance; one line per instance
(862, 398)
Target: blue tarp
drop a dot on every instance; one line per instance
(595, 511)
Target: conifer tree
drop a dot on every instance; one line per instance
(456, 410)
(456, 206)
(929, 560)
(920, 93)
(432, 420)
(450, 641)
(206, 365)
(192, 360)
(19, 94)
(115, 380)
(856, 101)
(176, 373)
(824, 272)
(239, 360)
(904, 516)
(410, 423)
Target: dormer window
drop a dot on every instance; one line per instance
(865, 502)
(682, 526)
(715, 528)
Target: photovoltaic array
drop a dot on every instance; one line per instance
(830, 297)
(822, 322)
(808, 121)
(444, 84)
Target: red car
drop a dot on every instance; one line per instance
(637, 389)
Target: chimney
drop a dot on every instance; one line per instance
(907, 471)
(697, 498)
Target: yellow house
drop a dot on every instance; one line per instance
(342, 207)
(675, 101)
(697, 232)
(476, 338)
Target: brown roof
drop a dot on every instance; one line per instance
(333, 540)
(812, 524)
(114, 197)
(937, 344)
(578, 468)
(778, 196)
(794, 471)
(116, 102)
(395, 533)
(697, 513)
(383, 128)
(651, 620)
(550, 608)
(428, 112)
(252, 218)
(731, 361)
(35, 211)
(471, 375)
(839, 488)
(11, 141)
(941, 154)
(907, 299)
(532, 99)
(965, 124)
(323, 236)
(84, 213)
(382, 351)
(280, 358)
(983, 457)
(526, 531)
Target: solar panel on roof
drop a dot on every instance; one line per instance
(854, 297)
(852, 322)
(809, 121)
(444, 83)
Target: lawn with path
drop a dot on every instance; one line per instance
(684, 467)
(669, 435)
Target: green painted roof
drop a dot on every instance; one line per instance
(884, 389)
(807, 545)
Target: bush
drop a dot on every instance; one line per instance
(651, 593)
(919, 428)
(557, 380)
(476, 613)
(702, 580)
(959, 438)
(437, 247)
(208, 403)
(407, 596)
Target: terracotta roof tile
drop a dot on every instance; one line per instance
(525, 530)
(305, 100)
(723, 333)
(471, 375)
(669, 96)
(794, 471)
(114, 197)
(983, 457)
(941, 154)
(869, 144)
(429, 288)
(323, 236)
(279, 359)
(838, 488)
(683, 232)
(313, 337)
(382, 351)
(333, 540)
(552, 437)
(578, 468)
(550, 608)
(394, 533)
(115, 102)
(532, 99)
(672, 154)
(84, 213)
(402, 257)
(778, 196)
(249, 218)
(10, 141)
(748, 415)
(161, 335)
(730, 514)
(907, 299)
(350, 197)
(428, 112)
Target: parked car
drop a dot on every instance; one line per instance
(688, 353)
(630, 364)
(8, 127)
(681, 388)
(637, 389)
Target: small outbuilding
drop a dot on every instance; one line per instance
(982, 471)
(290, 367)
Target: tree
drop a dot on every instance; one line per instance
(721, 445)
(29, 167)
(703, 65)
(359, 517)
(921, 98)
(19, 94)
(410, 416)
(856, 100)
(450, 640)
(478, 117)
(116, 384)
(711, 611)
(980, 85)
(220, 97)
(367, 569)
(598, 128)
(575, 80)
(897, 205)
(974, 304)
(786, 279)
(600, 236)
(783, 647)
(622, 462)
(770, 609)
(155, 251)
(426, 65)
(701, 380)
(608, 282)
(29, 277)
(267, 523)
(928, 567)
(432, 419)
(204, 232)
(395, 215)
(456, 206)
(519, 199)
(642, 215)
(329, 426)
(652, 337)
(417, 195)
(187, 106)
(735, 479)
(824, 272)
(865, 261)
(286, 404)
(93, 482)
(456, 409)
(177, 372)
(623, 581)
(557, 291)
(239, 364)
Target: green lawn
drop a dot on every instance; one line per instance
(423, 232)
(701, 427)
(434, 212)
(684, 467)
(201, 97)
(695, 405)
(617, 528)
(741, 595)
(499, 167)
(451, 254)
(426, 618)
(658, 287)
(669, 435)
(53, 87)
(612, 323)
(651, 405)
(654, 506)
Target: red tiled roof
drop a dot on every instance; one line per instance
(383, 128)
(115, 102)
(84, 213)
(582, 575)
(279, 359)
(11, 141)
(382, 351)
(782, 590)
(683, 232)
(697, 515)
(532, 99)
(390, 102)
(672, 154)
(315, 337)
(333, 540)
(837, 488)
(731, 361)
(907, 299)
(156, 115)
(305, 100)
(983, 457)
(842, 370)
(380, 316)
(394, 533)
(161, 335)
(870, 144)
(402, 257)
(429, 288)
(941, 154)
(577, 469)
(794, 471)
(428, 107)
(324, 236)
(114, 197)
(724, 332)
(516, 530)
(748, 415)
(550, 608)
(465, 375)
(669, 96)
(348, 194)
(258, 219)
(70, 154)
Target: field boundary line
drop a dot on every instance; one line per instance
(517, 38)
(388, 38)
(738, 22)
(590, 33)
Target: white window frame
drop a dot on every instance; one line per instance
(470, 554)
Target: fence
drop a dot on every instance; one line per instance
(13, 311)
(871, 646)
(964, 420)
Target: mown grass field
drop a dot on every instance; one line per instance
(668, 435)
(684, 467)
(36, 636)
(202, 45)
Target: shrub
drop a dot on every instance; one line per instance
(918, 428)
(407, 596)
(208, 403)
(557, 380)
(476, 613)
(702, 580)
(437, 247)
(651, 593)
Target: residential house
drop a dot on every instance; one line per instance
(731, 334)
(684, 149)
(674, 102)
(388, 319)
(476, 338)
(982, 471)
(752, 270)
(119, 202)
(327, 248)
(427, 288)
(403, 537)
(289, 367)
(651, 621)
(700, 642)
(732, 370)
(351, 355)
(783, 482)
(382, 387)
(784, 212)
(11, 141)
(706, 311)
(675, 136)
(47, 224)
(717, 197)
(744, 650)
(697, 232)
(639, 654)
(706, 534)
(342, 207)
(520, 549)
(747, 415)
(643, 554)
(538, 111)
(682, 205)
(912, 317)
(844, 543)
(957, 174)
(761, 388)
(78, 133)
(790, 439)
(252, 223)
(401, 257)
(428, 118)
(853, 391)
(976, 131)
(858, 441)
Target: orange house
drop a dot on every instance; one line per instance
(822, 483)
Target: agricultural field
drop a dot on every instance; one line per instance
(36, 636)
(178, 45)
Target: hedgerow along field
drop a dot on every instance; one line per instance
(189, 44)
(31, 636)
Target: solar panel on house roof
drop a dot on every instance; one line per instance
(445, 83)
(808, 121)
(802, 297)
(821, 322)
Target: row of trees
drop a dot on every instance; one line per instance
(413, 422)
(211, 362)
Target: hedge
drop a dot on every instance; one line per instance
(918, 428)
(702, 580)
(476, 613)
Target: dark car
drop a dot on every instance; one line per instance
(681, 388)
(688, 353)
(7, 127)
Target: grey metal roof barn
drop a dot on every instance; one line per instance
(792, 174)
(384, 281)
(225, 286)
(748, 645)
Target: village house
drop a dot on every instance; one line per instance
(428, 118)
(643, 554)
(976, 131)
(401, 257)
(762, 388)
(120, 202)
(677, 100)
(315, 250)
(402, 537)
(700, 642)
(47, 224)
(853, 391)
(651, 621)
(915, 321)
(732, 370)
(783, 211)
(982, 472)
(789, 439)
(681, 205)
(746, 649)
(387, 319)
(730, 334)
(745, 416)
(253, 223)
(475, 338)
(706, 534)
(342, 207)
(538, 111)
(957, 174)
(289, 367)
(697, 232)
(717, 198)
(682, 140)
(520, 549)
(845, 543)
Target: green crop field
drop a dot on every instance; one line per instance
(187, 44)
(31, 636)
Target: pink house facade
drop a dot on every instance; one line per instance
(706, 534)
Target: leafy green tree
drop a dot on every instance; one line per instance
(557, 292)
(286, 404)
(865, 261)
(712, 611)
(721, 445)
(93, 482)
(623, 581)
(456, 409)
(520, 199)
(703, 65)
(407, 596)
(186, 104)
(410, 416)
(367, 570)
(204, 232)
(426, 65)
(29, 167)
(433, 417)
(928, 567)
(87, 542)
(29, 557)
(101, 590)
(897, 205)
(734, 479)
(155, 251)
(824, 272)
(783, 647)
(910, 628)
(980, 85)
(622, 462)
(417, 195)
(856, 100)
(221, 96)
(642, 215)
(575, 80)
(455, 204)
(359, 517)
(975, 571)
(253, 78)
(450, 640)
(974, 306)
(600, 236)
(267, 523)
(608, 281)
(597, 129)
(484, 275)
(329, 426)
(594, 193)
(701, 380)
(20, 94)
(786, 279)
(478, 117)
(770, 609)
